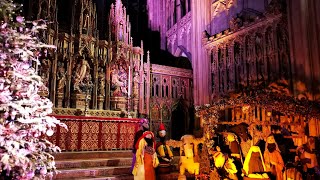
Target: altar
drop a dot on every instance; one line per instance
(92, 133)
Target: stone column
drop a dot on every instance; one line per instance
(200, 18)
(214, 71)
(304, 38)
(178, 10)
(60, 100)
(224, 51)
(148, 79)
(230, 66)
(100, 102)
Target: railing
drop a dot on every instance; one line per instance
(95, 133)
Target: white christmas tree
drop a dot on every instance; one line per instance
(24, 122)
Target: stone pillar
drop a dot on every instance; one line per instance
(79, 100)
(304, 38)
(60, 100)
(148, 79)
(178, 9)
(230, 67)
(100, 100)
(200, 18)
(224, 51)
(214, 70)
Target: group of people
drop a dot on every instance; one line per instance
(257, 163)
(149, 155)
(265, 163)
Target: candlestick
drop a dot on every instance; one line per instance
(129, 82)
(37, 65)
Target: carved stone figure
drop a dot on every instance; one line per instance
(45, 67)
(61, 77)
(82, 71)
(85, 67)
(119, 80)
(136, 79)
(102, 82)
(86, 21)
(121, 32)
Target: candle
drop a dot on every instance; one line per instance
(129, 83)
(37, 65)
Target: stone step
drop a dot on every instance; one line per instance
(120, 177)
(174, 176)
(86, 163)
(92, 154)
(77, 173)
(171, 176)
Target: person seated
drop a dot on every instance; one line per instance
(308, 161)
(291, 172)
(253, 166)
(164, 152)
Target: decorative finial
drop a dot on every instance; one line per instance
(148, 57)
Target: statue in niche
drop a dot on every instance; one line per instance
(84, 68)
(136, 65)
(136, 80)
(120, 31)
(45, 61)
(82, 72)
(86, 21)
(123, 77)
(119, 79)
(102, 78)
(61, 77)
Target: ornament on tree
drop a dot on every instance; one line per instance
(25, 152)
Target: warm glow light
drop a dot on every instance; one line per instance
(245, 108)
(269, 112)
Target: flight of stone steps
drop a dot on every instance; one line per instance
(100, 165)
(94, 165)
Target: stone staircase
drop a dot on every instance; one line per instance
(95, 165)
(100, 165)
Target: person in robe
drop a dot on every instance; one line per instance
(146, 158)
(164, 152)
(273, 159)
(143, 126)
(253, 166)
(234, 146)
(308, 161)
(225, 165)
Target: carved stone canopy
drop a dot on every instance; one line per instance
(84, 53)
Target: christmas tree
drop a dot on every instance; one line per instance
(24, 122)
